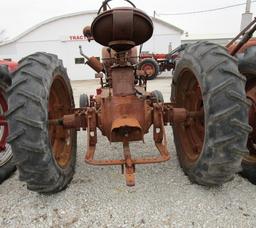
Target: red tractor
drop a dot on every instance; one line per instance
(11, 65)
(7, 165)
(208, 110)
(154, 64)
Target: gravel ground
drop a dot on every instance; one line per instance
(98, 197)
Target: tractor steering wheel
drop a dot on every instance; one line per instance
(105, 5)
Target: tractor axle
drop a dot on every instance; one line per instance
(171, 115)
(163, 114)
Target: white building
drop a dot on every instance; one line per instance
(62, 35)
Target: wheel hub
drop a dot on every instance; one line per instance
(60, 105)
(192, 130)
(149, 69)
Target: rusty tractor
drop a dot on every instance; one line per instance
(208, 109)
(245, 50)
(7, 166)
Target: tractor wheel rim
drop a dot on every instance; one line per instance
(3, 127)
(58, 106)
(191, 133)
(149, 69)
(251, 95)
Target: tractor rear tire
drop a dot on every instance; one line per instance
(45, 154)
(149, 64)
(247, 67)
(211, 146)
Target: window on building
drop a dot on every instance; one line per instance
(79, 61)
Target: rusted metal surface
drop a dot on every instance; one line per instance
(72, 121)
(241, 33)
(123, 110)
(109, 56)
(129, 165)
(122, 129)
(123, 28)
(123, 81)
(130, 121)
(251, 42)
(191, 131)
(58, 106)
(123, 116)
(246, 36)
(95, 64)
(127, 128)
(87, 33)
(148, 68)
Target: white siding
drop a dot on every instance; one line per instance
(162, 36)
(53, 37)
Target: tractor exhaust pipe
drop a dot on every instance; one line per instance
(93, 62)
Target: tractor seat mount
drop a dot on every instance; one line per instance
(122, 28)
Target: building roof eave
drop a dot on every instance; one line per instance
(168, 25)
(72, 15)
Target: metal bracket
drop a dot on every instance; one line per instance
(128, 163)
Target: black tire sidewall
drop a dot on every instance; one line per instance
(31, 145)
(215, 164)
